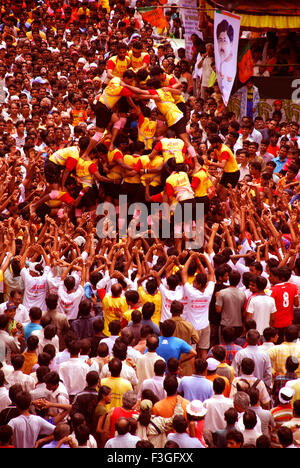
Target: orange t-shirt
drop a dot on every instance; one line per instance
(165, 408)
(226, 392)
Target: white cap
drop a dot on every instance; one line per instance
(286, 394)
(212, 364)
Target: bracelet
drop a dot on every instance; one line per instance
(81, 193)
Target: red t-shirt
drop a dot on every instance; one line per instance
(116, 414)
(284, 295)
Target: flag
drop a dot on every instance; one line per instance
(155, 16)
(245, 64)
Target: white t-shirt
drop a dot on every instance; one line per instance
(68, 303)
(198, 304)
(35, 289)
(21, 316)
(168, 296)
(26, 430)
(295, 280)
(261, 307)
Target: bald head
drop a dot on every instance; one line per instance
(116, 290)
(122, 426)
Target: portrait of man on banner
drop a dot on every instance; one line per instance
(226, 40)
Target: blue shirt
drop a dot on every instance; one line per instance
(29, 328)
(172, 347)
(196, 387)
(54, 443)
(279, 164)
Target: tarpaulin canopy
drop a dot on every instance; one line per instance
(269, 15)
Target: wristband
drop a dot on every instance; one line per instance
(81, 193)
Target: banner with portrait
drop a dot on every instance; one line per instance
(226, 42)
(190, 19)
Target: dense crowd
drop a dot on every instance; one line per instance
(113, 334)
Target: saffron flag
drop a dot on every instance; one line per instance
(245, 64)
(155, 16)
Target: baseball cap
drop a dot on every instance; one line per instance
(10, 305)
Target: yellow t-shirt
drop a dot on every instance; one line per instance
(127, 314)
(116, 172)
(112, 93)
(147, 164)
(146, 131)
(168, 108)
(61, 156)
(118, 387)
(155, 299)
(226, 153)
(203, 184)
(131, 161)
(172, 148)
(113, 309)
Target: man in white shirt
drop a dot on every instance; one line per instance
(35, 286)
(263, 369)
(17, 376)
(69, 297)
(156, 383)
(57, 392)
(8, 344)
(114, 330)
(4, 397)
(261, 307)
(127, 372)
(16, 297)
(145, 363)
(170, 292)
(73, 372)
(199, 295)
(35, 280)
(216, 407)
(28, 427)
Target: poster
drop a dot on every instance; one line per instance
(226, 41)
(190, 20)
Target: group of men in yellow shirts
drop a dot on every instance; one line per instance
(162, 164)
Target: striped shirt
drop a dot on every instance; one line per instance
(281, 415)
(278, 355)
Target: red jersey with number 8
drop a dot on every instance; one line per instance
(284, 295)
